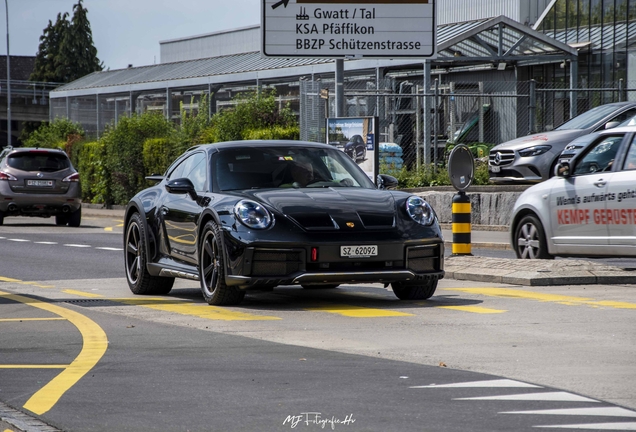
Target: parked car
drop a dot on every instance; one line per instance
(580, 143)
(237, 216)
(356, 148)
(587, 209)
(532, 159)
(40, 182)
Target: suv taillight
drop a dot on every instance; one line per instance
(7, 177)
(72, 178)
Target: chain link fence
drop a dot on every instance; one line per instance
(487, 113)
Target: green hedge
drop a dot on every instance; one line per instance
(93, 175)
(273, 133)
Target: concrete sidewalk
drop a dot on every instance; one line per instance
(495, 270)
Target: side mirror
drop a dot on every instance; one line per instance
(386, 181)
(612, 124)
(563, 169)
(181, 186)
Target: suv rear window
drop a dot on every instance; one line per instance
(38, 161)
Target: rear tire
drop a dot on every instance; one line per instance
(75, 218)
(61, 220)
(1, 218)
(212, 269)
(414, 291)
(136, 259)
(529, 240)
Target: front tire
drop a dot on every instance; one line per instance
(414, 291)
(212, 269)
(529, 239)
(136, 259)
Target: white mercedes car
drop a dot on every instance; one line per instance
(587, 209)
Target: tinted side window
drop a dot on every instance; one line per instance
(193, 168)
(600, 157)
(624, 116)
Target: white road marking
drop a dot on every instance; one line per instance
(547, 396)
(45, 242)
(109, 248)
(605, 411)
(19, 240)
(629, 426)
(78, 245)
(500, 383)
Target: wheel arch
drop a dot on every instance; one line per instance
(135, 206)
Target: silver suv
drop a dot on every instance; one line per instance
(40, 182)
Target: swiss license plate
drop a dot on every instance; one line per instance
(40, 183)
(358, 251)
(495, 169)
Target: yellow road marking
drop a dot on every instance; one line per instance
(552, 298)
(82, 293)
(473, 309)
(108, 229)
(94, 346)
(18, 281)
(195, 309)
(356, 311)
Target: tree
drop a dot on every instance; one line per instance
(66, 50)
(48, 56)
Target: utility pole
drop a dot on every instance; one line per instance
(6, 5)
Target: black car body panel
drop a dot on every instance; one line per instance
(306, 220)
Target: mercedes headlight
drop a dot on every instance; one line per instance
(419, 210)
(253, 215)
(534, 150)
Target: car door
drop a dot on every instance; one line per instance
(181, 212)
(620, 215)
(577, 201)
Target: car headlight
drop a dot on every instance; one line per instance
(253, 215)
(419, 210)
(534, 150)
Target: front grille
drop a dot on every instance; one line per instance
(501, 157)
(275, 262)
(424, 259)
(355, 266)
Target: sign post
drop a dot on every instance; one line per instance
(348, 28)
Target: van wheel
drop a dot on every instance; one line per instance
(529, 240)
(61, 220)
(75, 218)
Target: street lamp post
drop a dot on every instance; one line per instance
(6, 5)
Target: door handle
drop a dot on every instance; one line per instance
(164, 210)
(600, 183)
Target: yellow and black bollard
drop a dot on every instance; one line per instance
(461, 224)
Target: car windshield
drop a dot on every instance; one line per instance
(629, 122)
(286, 167)
(38, 161)
(588, 118)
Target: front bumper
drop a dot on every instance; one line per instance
(266, 266)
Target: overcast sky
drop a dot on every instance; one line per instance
(125, 31)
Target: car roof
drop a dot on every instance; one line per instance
(38, 149)
(261, 143)
(618, 129)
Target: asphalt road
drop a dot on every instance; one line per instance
(79, 352)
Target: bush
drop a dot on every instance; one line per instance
(55, 134)
(158, 154)
(274, 133)
(123, 162)
(93, 176)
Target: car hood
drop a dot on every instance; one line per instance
(329, 208)
(554, 138)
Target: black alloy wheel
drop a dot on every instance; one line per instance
(212, 269)
(529, 239)
(420, 290)
(136, 258)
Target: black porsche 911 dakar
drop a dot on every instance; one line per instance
(252, 215)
